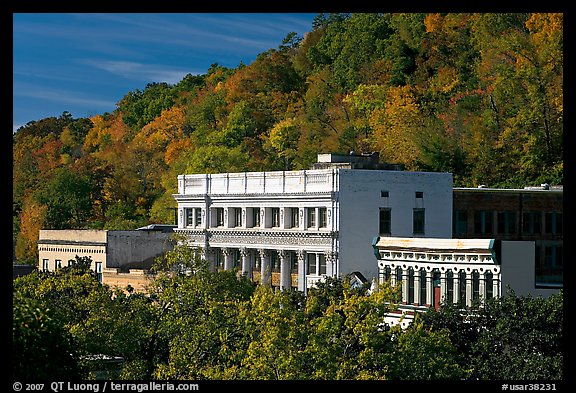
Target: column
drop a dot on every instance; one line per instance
(404, 286)
(482, 286)
(429, 288)
(456, 287)
(392, 276)
(246, 266)
(265, 270)
(495, 283)
(331, 270)
(285, 277)
(416, 286)
(443, 285)
(228, 264)
(468, 288)
(302, 271)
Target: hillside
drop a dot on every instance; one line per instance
(477, 95)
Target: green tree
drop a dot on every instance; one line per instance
(511, 337)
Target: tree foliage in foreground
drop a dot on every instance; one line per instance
(198, 324)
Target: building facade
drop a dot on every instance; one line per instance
(119, 258)
(290, 229)
(532, 214)
(458, 271)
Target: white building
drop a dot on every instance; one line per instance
(458, 271)
(292, 228)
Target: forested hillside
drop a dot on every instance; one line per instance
(477, 95)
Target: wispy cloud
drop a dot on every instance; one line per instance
(139, 71)
(61, 96)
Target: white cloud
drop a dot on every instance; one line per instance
(139, 71)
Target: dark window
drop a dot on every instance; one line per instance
(449, 287)
(322, 264)
(323, 217)
(422, 287)
(460, 222)
(531, 223)
(293, 261)
(219, 216)
(483, 222)
(489, 285)
(311, 212)
(189, 217)
(384, 194)
(294, 215)
(418, 221)
(506, 222)
(237, 217)
(256, 217)
(410, 286)
(553, 223)
(198, 213)
(311, 264)
(475, 285)
(385, 221)
(275, 217)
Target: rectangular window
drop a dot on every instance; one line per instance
(189, 217)
(418, 221)
(449, 287)
(293, 262)
(550, 268)
(323, 217)
(422, 287)
(198, 216)
(410, 285)
(294, 217)
(385, 222)
(321, 264)
(45, 265)
(553, 223)
(311, 217)
(483, 222)
(311, 264)
(237, 217)
(219, 216)
(506, 222)
(531, 223)
(460, 222)
(58, 264)
(384, 194)
(256, 217)
(275, 217)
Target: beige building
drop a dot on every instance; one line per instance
(119, 258)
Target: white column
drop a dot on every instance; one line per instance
(404, 286)
(285, 276)
(392, 276)
(469, 289)
(455, 287)
(265, 270)
(246, 266)
(301, 270)
(429, 288)
(331, 257)
(443, 285)
(227, 258)
(482, 286)
(496, 284)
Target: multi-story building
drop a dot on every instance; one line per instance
(531, 213)
(119, 258)
(503, 238)
(292, 228)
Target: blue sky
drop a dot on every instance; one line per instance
(85, 63)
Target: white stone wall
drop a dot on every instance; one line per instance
(360, 199)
